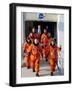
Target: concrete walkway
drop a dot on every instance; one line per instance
(44, 71)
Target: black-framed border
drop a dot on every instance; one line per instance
(12, 63)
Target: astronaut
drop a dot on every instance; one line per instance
(26, 49)
(44, 41)
(35, 56)
(44, 38)
(52, 55)
(49, 38)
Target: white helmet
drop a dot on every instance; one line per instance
(36, 41)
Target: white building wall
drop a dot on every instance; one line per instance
(35, 16)
(22, 28)
(60, 31)
(23, 18)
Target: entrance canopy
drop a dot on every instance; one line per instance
(40, 17)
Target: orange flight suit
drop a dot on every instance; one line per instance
(30, 36)
(49, 40)
(52, 53)
(44, 40)
(34, 36)
(26, 48)
(35, 57)
(48, 44)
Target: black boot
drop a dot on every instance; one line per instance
(51, 73)
(37, 74)
(28, 67)
(33, 70)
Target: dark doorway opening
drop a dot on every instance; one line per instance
(52, 27)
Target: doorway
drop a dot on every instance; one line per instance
(52, 27)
